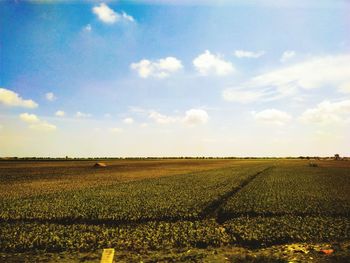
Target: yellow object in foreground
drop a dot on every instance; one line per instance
(107, 255)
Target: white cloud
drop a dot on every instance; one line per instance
(138, 109)
(161, 68)
(43, 126)
(115, 130)
(170, 64)
(10, 98)
(143, 68)
(128, 120)
(50, 96)
(248, 54)
(345, 87)
(105, 13)
(327, 112)
(160, 118)
(195, 117)
(287, 55)
(128, 17)
(109, 16)
(241, 96)
(207, 64)
(29, 118)
(80, 114)
(191, 117)
(60, 113)
(88, 28)
(313, 73)
(272, 116)
(331, 71)
(35, 123)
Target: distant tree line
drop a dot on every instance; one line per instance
(335, 157)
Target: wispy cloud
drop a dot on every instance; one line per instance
(310, 74)
(248, 54)
(80, 114)
(161, 118)
(195, 116)
(255, 3)
(344, 88)
(35, 123)
(108, 16)
(88, 28)
(241, 96)
(29, 118)
(43, 126)
(160, 69)
(50, 96)
(116, 130)
(327, 112)
(329, 71)
(128, 120)
(60, 113)
(210, 64)
(12, 99)
(127, 17)
(287, 55)
(192, 117)
(272, 116)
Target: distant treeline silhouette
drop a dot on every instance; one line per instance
(335, 157)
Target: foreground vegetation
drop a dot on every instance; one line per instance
(248, 232)
(247, 203)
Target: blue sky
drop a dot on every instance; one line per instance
(174, 78)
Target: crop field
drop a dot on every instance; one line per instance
(29, 178)
(162, 206)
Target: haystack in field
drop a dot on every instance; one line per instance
(98, 165)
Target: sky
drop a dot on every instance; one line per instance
(174, 78)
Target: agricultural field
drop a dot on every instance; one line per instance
(29, 178)
(271, 210)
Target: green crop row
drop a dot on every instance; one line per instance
(266, 231)
(293, 190)
(252, 232)
(80, 237)
(173, 197)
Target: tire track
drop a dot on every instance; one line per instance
(213, 210)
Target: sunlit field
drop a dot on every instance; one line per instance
(174, 131)
(175, 210)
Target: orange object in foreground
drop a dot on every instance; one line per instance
(327, 251)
